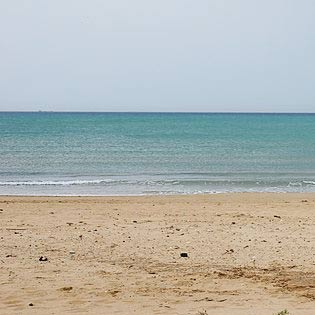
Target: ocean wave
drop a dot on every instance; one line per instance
(309, 182)
(302, 183)
(161, 184)
(55, 183)
(89, 182)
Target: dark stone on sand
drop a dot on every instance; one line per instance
(277, 216)
(42, 258)
(30, 304)
(183, 254)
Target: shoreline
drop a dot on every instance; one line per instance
(247, 253)
(165, 195)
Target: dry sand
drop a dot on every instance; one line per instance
(247, 254)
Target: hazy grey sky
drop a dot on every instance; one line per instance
(165, 55)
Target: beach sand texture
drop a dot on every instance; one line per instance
(247, 254)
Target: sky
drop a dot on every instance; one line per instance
(166, 55)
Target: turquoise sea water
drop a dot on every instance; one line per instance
(142, 153)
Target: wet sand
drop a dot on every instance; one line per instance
(247, 254)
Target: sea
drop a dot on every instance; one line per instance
(50, 153)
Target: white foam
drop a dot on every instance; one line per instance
(309, 182)
(55, 183)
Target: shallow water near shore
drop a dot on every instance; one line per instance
(155, 153)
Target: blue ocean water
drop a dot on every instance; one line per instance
(155, 153)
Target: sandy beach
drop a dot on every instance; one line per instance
(247, 254)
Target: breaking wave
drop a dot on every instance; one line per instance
(55, 183)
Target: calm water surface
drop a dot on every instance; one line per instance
(142, 153)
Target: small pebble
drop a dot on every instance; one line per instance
(42, 258)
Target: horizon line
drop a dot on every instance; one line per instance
(150, 112)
